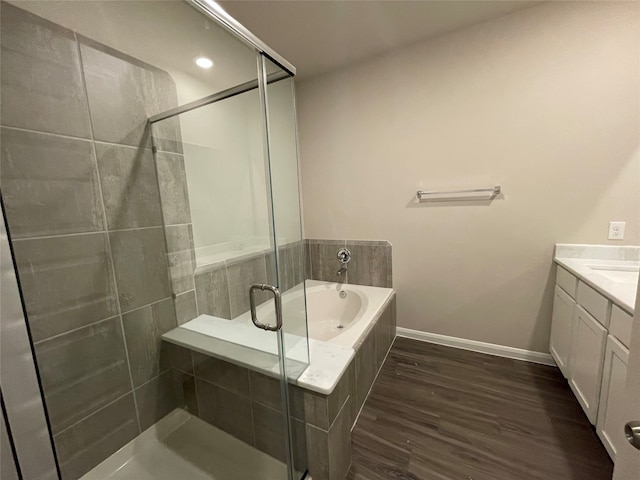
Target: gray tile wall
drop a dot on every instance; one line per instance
(222, 289)
(244, 403)
(86, 217)
(371, 261)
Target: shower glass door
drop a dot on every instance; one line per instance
(236, 225)
(288, 254)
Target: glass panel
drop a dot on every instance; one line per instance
(283, 158)
(136, 245)
(287, 228)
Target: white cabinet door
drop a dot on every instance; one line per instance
(562, 330)
(611, 417)
(587, 354)
(628, 456)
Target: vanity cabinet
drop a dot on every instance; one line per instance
(593, 302)
(611, 410)
(621, 325)
(589, 341)
(562, 329)
(591, 324)
(586, 361)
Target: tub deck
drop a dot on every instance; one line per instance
(238, 341)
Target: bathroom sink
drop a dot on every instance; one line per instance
(618, 273)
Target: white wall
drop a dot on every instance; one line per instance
(544, 101)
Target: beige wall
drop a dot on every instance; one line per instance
(544, 102)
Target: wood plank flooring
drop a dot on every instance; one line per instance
(447, 414)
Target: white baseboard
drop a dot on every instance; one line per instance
(475, 346)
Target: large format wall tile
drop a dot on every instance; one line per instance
(329, 452)
(180, 238)
(176, 357)
(226, 410)
(67, 282)
(123, 93)
(82, 371)
(166, 134)
(340, 444)
(321, 410)
(186, 308)
(212, 292)
(266, 390)
(324, 264)
(156, 398)
(242, 274)
(382, 331)
(173, 188)
(370, 263)
(106, 213)
(318, 452)
(49, 184)
(41, 79)
(186, 392)
(269, 431)
(181, 257)
(291, 265)
(394, 321)
(87, 443)
(365, 361)
(140, 261)
(143, 328)
(129, 186)
(223, 374)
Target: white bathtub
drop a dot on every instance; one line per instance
(336, 323)
(337, 313)
(342, 319)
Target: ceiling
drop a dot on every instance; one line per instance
(320, 36)
(315, 36)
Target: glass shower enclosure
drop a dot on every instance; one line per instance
(152, 214)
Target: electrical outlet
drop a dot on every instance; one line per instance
(616, 230)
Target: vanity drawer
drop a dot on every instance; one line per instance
(621, 323)
(567, 281)
(594, 303)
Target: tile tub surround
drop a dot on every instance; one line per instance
(371, 261)
(85, 216)
(330, 349)
(221, 288)
(577, 258)
(327, 419)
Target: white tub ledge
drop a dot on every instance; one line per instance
(220, 338)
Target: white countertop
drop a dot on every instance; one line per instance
(577, 259)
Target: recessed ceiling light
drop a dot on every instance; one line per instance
(204, 62)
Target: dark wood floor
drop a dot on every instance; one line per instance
(442, 413)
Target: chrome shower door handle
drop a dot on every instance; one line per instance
(278, 300)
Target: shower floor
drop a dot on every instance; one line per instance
(181, 446)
